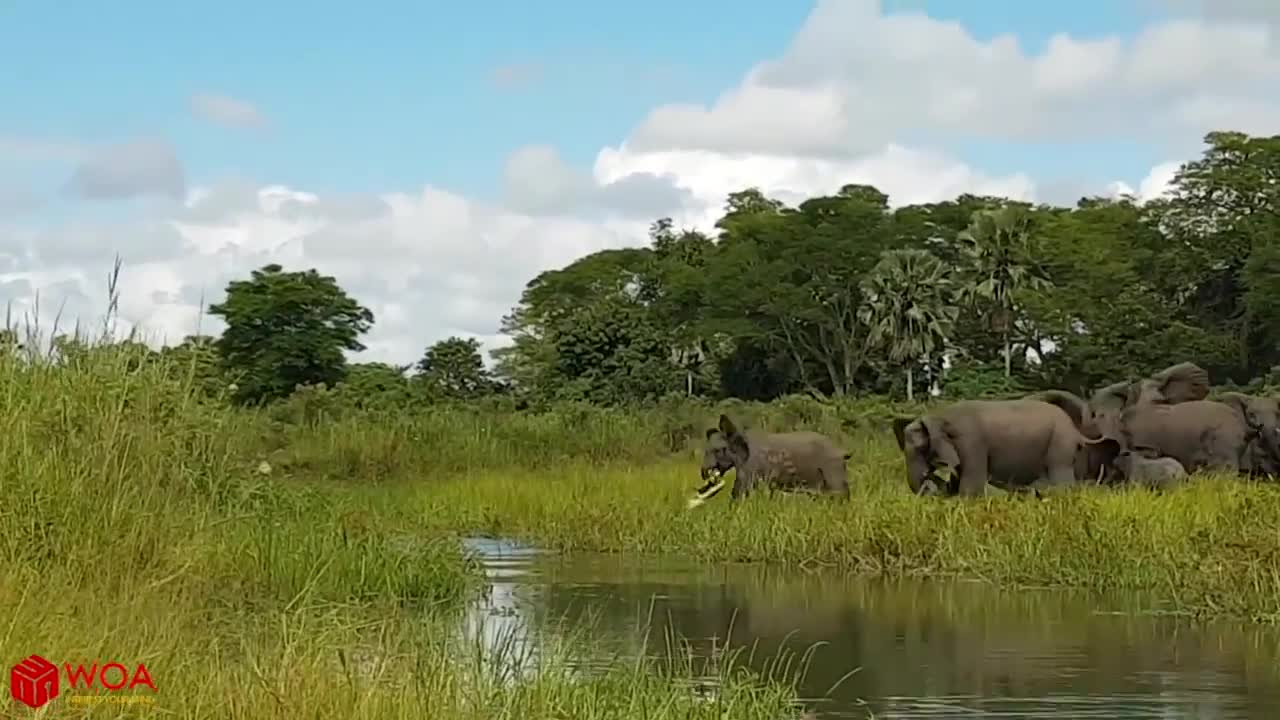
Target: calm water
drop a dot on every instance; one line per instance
(920, 649)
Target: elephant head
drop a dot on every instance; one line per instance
(726, 449)
(1106, 404)
(1100, 430)
(1175, 384)
(926, 446)
(1126, 459)
(1262, 415)
(1179, 383)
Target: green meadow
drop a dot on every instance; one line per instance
(139, 525)
(304, 557)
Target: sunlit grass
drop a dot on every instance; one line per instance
(140, 525)
(1211, 547)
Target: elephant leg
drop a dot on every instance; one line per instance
(1059, 477)
(973, 475)
(743, 482)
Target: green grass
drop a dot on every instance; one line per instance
(1211, 548)
(138, 525)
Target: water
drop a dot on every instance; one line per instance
(920, 649)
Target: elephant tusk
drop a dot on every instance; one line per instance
(707, 491)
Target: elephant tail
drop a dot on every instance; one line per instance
(1070, 403)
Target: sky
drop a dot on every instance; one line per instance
(434, 157)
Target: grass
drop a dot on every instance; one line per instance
(304, 557)
(139, 525)
(1210, 548)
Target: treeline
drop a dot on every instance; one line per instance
(978, 295)
(837, 297)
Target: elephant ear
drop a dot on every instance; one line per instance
(737, 443)
(1112, 397)
(1175, 384)
(900, 423)
(1242, 404)
(1075, 407)
(940, 442)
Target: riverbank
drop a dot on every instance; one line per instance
(1209, 549)
(141, 524)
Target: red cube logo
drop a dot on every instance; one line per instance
(34, 681)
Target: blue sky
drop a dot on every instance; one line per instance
(397, 96)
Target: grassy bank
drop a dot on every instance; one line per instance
(1208, 549)
(139, 525)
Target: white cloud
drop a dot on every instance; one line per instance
(145, 166)
(428, 264)
(854, 79)
(841, 105)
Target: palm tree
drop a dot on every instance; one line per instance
(998, 245)
(909, 307)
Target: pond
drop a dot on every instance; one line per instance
(898, 649)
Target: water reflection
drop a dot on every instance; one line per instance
(918, 649)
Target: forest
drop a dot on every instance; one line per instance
(842, 296)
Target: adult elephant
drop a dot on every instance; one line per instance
(1232, 432)
(1102, 416)
(800, 461)
(1169, 413)
(1022, 444)
(1183, 382)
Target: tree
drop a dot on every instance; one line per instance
(286, 329)
(453, 369)
(789, 278)
(1224, 207)
(1001, 262)
(909, 308)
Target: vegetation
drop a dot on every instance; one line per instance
(141, 525)
(234, 510)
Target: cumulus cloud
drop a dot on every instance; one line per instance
(536, 180)
(1153, 186)
(145, 166)
(428, 264)
(850, 100)
(227, 111)
(854, 79)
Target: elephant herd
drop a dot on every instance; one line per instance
(1153, 432)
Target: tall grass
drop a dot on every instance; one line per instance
(1210, 548)
(140, 523)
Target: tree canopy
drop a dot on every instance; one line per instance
(840, 295)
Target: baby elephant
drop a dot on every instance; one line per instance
(1144, 466)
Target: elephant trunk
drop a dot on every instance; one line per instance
(1269, 436)
(917, 471)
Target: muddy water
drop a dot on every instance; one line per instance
(916, 649)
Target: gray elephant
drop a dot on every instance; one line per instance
(1261, 462)
(1143, 466)
(1208, 434)
(1183, 382)
(1017, 445)
(1166, 412)
(800, 461)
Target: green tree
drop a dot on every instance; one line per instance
(909, 308)
(589, 331)
(452, 368)
(286, 329)
(789, 279)
(1001, 264)
(1224, 207)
